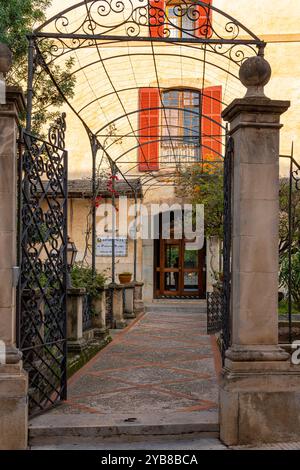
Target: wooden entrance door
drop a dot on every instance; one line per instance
(179, 272)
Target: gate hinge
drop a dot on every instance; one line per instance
(16, 275)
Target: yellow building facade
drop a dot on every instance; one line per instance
(109, 77)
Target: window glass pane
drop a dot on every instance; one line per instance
(171, 256)
(171, 282)
(188, 24)
(191, 259)
(191, 282)
(181, 126)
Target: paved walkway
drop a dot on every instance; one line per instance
(162, 369)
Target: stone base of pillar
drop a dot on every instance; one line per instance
(139, 307)
(101, 333)
(259, 402)
(138, 304)
(117, 306)
(13, 407)
(77, 346)
(129, 316)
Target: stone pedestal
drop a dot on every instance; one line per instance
(213, 268)
(129, 301)
(99, 319)
(76, 342)
(260, 389)
(117, 306)
(13, 380)
(138, 303)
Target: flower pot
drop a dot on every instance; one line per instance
(125, 278)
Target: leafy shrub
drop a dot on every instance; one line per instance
(83, 278)
(295, 271)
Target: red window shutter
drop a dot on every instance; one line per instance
(203, 29)
(211, 130)
(148, 151)
(156, 17)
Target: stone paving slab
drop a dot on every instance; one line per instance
(186, 443)
(160, 371)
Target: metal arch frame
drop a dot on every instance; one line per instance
(143, 11)
(87, 34)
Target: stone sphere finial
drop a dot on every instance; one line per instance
(5, 58)
(255, 73)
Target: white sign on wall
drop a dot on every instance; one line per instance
(104, 246)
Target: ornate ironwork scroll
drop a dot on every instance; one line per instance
(42, 250)
(186, 21)
(218, 302)
(214, 312)
(87, 313)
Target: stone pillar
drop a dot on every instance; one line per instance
(260, 389)
(138, 303)
(148, 269)
(129, 301)
(99, 319)
(13, 379)
(117, 306)
(75, 319)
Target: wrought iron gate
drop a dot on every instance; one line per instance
(218, 302)
(42, 252)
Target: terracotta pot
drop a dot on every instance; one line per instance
(125, 278)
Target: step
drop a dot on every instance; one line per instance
(175, 308)
(51, 428)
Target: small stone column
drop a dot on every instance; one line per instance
(117, 306)
(138, 303)
(99, 319)
(13, 379)
(260, 389)
(76, 342)
(129, 301)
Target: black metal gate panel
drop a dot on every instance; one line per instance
(227, 246)
(41, 298)
(218, 302)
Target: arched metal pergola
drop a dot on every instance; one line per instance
(108, 37)
(118, 47)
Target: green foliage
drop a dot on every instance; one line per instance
(295, 271)
(284, 241)
(83, 277)
(17, 18)
(204, 185)
(283, 308)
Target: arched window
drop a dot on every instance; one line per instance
(181, 126)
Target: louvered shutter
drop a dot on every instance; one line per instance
(148, 152)
(211, 130)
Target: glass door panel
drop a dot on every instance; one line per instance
(171, 282)
(191, 259)
(191, 282)
(172, 254)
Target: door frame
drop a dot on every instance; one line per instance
(159, 254)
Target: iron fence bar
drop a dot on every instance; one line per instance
(122, 38)
(135, 238)
(31, 52)
(290, 252)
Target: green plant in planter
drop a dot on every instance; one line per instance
(83, 278)
(295, 272)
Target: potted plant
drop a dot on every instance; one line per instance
(125, 278)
